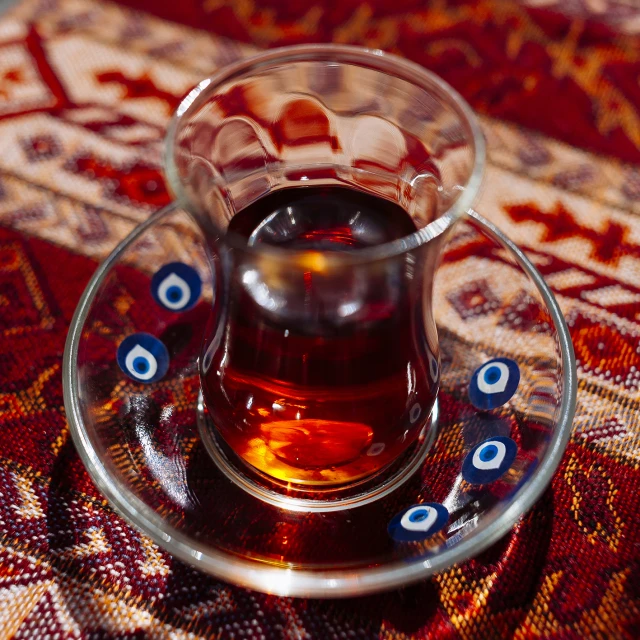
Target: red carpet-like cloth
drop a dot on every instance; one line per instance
(86, 89)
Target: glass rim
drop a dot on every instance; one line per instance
(282, 581)
(377, 60)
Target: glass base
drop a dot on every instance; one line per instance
(296, 497)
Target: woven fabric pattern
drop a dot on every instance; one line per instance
(86, 90)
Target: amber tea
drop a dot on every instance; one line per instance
(334, 387)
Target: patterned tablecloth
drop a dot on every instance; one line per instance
(86, 89)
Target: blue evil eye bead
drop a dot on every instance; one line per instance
(494, 383)
(143, 357)
(489, 460)
(433, 367)
(176, 286)
(418, 522)
(208, 357)
(376, 449)
(414, 413)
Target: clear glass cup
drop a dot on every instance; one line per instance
(320, 366)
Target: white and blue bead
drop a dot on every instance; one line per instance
(434, 369)
(419, 522)
(489, 460)
(494, 383)
(176, 286)
(143, 357)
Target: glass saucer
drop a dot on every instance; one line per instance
(504, 417)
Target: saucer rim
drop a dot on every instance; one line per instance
(254, 574)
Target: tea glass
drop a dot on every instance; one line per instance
(320, 368)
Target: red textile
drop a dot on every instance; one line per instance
(86, 89)
(518, 63)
